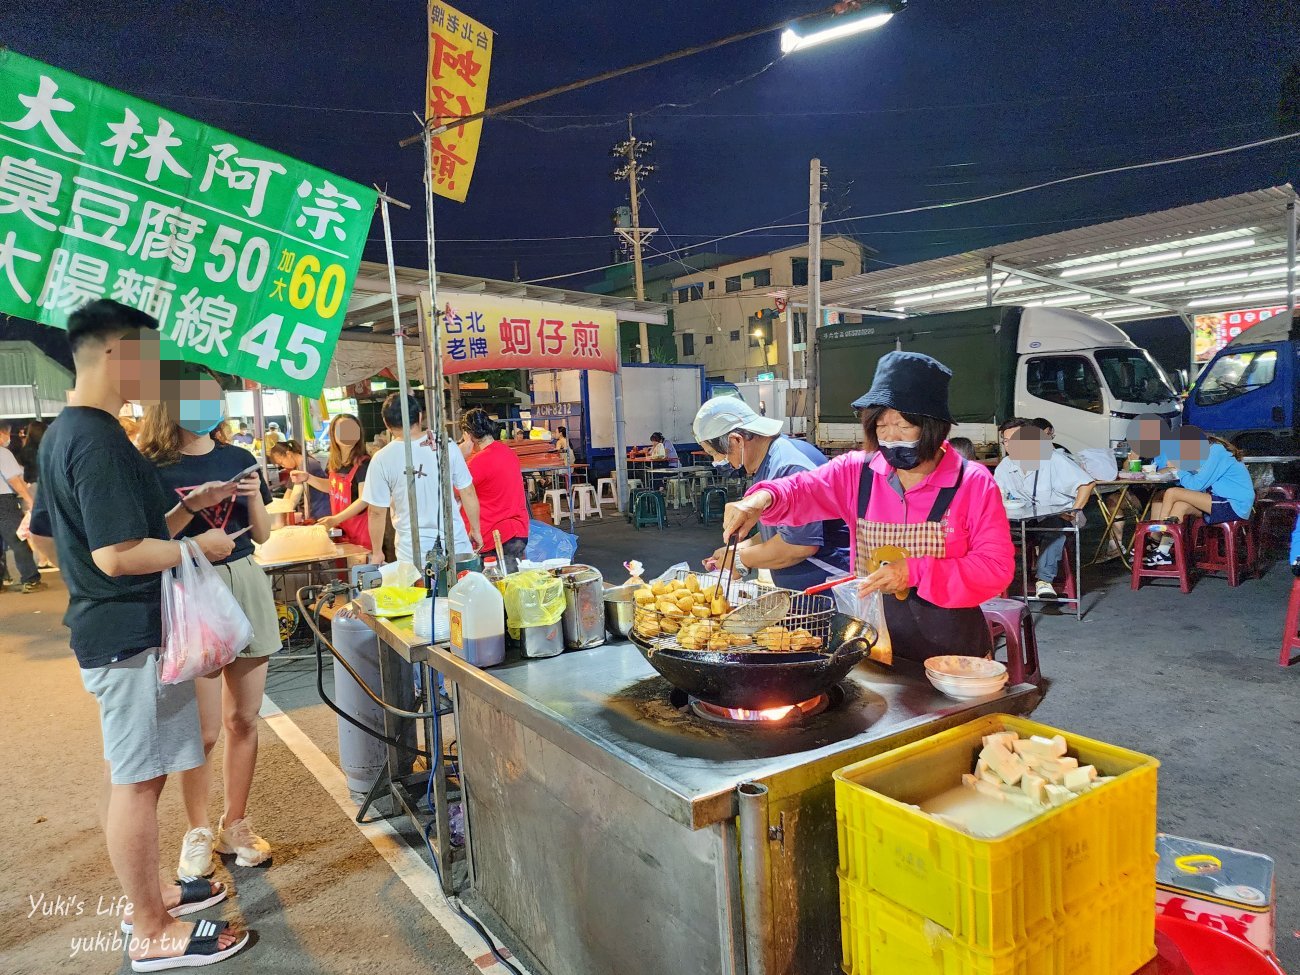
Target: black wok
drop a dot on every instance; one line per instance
(760, 679)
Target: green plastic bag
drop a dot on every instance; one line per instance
(533, 598)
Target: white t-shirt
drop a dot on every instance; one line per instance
(1052, 484)
(9, 468)
(385, 487)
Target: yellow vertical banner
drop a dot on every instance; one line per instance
(460, 57)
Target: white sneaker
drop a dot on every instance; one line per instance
(1044, 590)
(238, 838)
(196, 853)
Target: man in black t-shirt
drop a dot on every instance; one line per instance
(104, 509)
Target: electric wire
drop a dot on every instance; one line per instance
(1130, 167)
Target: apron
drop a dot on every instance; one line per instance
(919, 629)
(356, 530)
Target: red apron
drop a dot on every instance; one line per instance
(356, 530)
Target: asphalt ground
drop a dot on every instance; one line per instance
(1192, 680)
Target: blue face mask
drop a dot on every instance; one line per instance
(901, 455)
(200, 416)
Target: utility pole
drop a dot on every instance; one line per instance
(633, 169)
(814, 293)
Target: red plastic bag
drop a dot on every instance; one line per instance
(204, 628)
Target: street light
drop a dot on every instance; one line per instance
(864, 17)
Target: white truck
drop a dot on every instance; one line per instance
(1079, 372)
(780, 399)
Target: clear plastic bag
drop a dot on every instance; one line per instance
(548, 542)
(533, 598)
(870, 609)
(204, 628)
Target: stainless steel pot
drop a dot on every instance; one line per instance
(584, 607)
(620, 610)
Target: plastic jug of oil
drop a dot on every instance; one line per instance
(478, 621)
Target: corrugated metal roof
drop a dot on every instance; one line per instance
(1226, 253)
(23, 364)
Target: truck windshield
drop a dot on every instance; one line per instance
(1236, 374)
(1133, 376)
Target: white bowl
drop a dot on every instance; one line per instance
(964, 689)
(965, 668)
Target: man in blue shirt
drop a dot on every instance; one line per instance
(729, 431)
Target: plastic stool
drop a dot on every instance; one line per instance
(1276, 521)
(712, 505)
(1226, 547)
(1065, 576)
(1291, 630)
(678, 492)
(584, 504)
(1182, 569)
(558, 499)
(1012, 620)
(1281, 492)
(606, 491)
(649, 510)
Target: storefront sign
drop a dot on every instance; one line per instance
(245, 256)
(488, 332)
(460, 57)
(1213, 332)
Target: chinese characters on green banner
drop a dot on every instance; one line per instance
(245, 256)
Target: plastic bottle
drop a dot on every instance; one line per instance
(478, 621)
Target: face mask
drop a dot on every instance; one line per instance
(200, 416)
(901, 455)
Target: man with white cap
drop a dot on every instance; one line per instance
(730, 432)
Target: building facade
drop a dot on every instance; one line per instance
(725, 318)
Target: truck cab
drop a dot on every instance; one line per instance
(1247, 392)
(1087, 377)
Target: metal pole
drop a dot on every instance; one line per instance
(620, 436)
(259, 424)
(438, 424)
(757, 903)
(644, 330)
(1290, 267)
(426, 362)
(814, 292)
(988, 282)
(403, 390)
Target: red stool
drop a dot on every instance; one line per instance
(1291, 631)
(1182, 568)
(1012, 620)
(1227, 547)
(1281, 492)
(1276, 521)
(1066, 582)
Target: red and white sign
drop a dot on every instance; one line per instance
(1213, 332)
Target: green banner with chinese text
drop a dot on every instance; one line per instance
(244, 256)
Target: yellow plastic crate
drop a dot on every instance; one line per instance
(1112, 934)
(990, 893)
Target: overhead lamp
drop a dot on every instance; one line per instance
(1130, 310)
(1227, 245)
(1234, 298)
(1073, 272)
(857, 19)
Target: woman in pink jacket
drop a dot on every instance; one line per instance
(909, 489)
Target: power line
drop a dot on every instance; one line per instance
(982, 199)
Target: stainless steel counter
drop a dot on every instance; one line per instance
(608, 708)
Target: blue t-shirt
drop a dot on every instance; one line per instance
(784, 457)
(1220, 474)
(318, 501)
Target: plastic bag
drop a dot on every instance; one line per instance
(533, 598)
(393, 602)
(204, 628)
(548, 542)
(870, 609)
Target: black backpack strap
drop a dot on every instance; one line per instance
(864, 487)
(946, 495)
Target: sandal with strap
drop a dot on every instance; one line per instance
(196, 895)
(200, 950)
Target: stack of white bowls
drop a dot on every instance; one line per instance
(965, 678)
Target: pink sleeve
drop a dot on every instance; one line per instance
(990, 561)
(828, 492)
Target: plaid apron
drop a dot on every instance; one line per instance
(919, 629)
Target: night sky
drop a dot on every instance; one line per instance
(949, 100)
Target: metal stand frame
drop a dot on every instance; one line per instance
(1078, 568)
